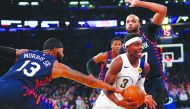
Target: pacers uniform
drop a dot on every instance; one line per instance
(126, 77)
(18, 85)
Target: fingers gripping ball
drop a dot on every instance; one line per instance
(135, 94)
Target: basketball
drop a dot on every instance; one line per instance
(135, 94)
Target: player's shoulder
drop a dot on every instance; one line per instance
(118, 60)
(103, 54)
(101, 57)
(33, 51)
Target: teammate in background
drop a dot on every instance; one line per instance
(154, 83)
(34, 68)
(104, 59)
(126, 69)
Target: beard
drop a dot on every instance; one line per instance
(59, 58)
(133, 31)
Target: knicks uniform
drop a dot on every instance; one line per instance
(18, 85)
(104, 67)
(126, 77)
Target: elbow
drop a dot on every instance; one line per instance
(163, 10)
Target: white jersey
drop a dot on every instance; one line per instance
(126, 77)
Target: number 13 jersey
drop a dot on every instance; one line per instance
(32, 68)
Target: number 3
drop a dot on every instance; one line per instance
(35, 68)
(125, 81)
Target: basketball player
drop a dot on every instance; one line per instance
(126, 69)
(154, 83)
(32, 70)
(104, 59)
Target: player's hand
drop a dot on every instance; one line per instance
(149, 102)
(20, 51)
(131, 2)
(127, 104)
(116, 90)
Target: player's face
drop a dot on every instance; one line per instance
(60, 54)
(116, 44)
(135, 49)
(132, 23)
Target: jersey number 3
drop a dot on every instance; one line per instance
(124, 84)
(35, 67)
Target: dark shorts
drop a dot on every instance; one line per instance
(156, 88)
(11, 97)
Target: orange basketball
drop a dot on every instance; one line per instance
(135, 93)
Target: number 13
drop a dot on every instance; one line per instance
(35, 68)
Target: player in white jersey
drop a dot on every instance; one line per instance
(126, 69)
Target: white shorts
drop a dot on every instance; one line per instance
(103, 102)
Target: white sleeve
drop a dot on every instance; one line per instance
(140, 83)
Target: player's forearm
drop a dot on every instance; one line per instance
(89, 66)
(158, 8)
(88, 80)
(100, 84)
(8, 53)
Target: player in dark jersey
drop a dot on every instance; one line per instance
(34, 68)
(103, 60)
(154, 83)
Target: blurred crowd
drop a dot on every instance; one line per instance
(67, 94)
(179, 89)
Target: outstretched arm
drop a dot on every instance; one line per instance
(160, 10)
(7, 53)
(61, 70)
(10, 54)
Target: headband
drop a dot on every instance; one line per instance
(130, 41)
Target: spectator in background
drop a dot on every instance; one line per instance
(80, 103)
(183, 97)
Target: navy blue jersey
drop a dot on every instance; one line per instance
(151, 54)
(33, 68)
(104, 66)
(150, 50)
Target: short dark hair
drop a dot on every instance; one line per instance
(130, 35)
(52, 43)
(115, 38)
